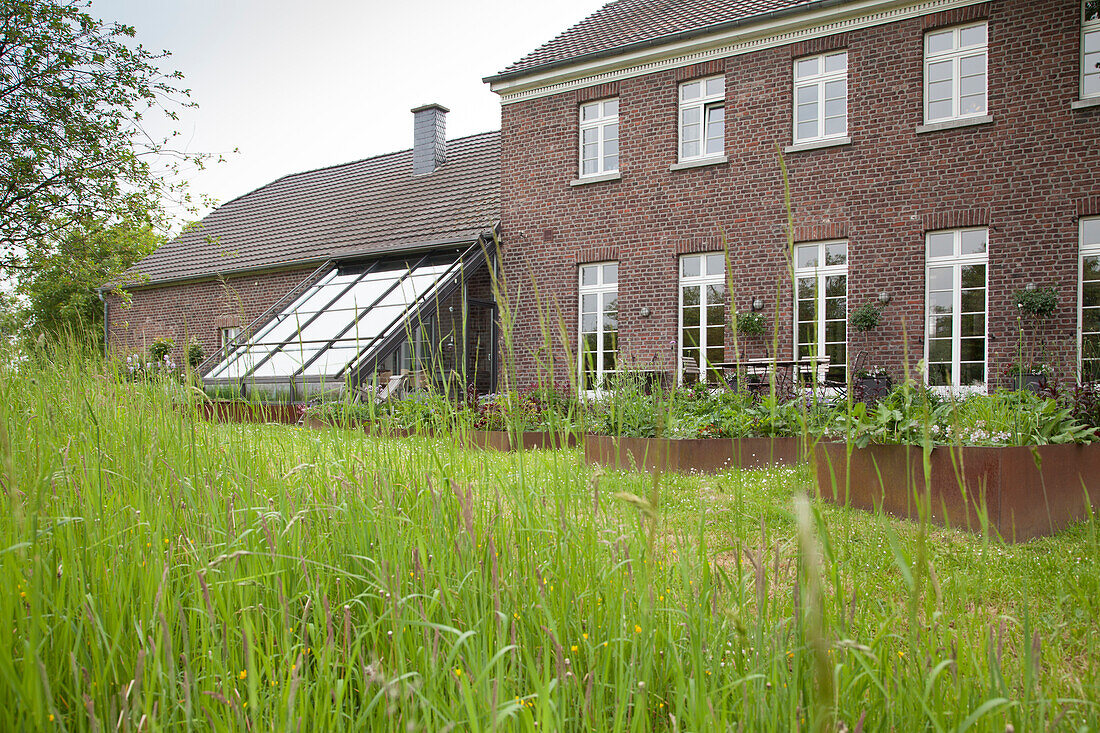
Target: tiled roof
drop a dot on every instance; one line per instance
(367, 206)
(624, 23)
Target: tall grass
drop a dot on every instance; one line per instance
(160, 572)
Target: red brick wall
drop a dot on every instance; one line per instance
(194, 310)
(1028, 175)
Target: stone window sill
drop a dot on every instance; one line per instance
(952, 124)
(818, 144)
(699, 163)
(595, 179)
(1086, 103)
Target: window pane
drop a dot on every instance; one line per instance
(1092, 10)
(807, 94)
(589, 274)
(689, 266)
(807, 287)
(611, 107)
(1090, 231)
(972, 324)
(691, 149)
(973, 301)
(716, 295)
(939, 375)
(716, 86)
(589, 303)
(939, 302)
(836, 254)
(836, 125)
(836, 308)
(973, 276)
(611, 273)
(691, 317)
(940, 71)
(974, 241)
(588, 322)
(690, 91)
(972, 36)
(972, 375)
(940, 278)
(940, 326)
(836, 62)
(590, 136)
(1090, 270)
(972, 349)
(806, 256)
(807, 129)
(1090, 320)
(807, 310)
(834, 331)
(716, 264)
(939, 91)
(806, 67)
(691, 295)
(590, 111)
(941, 244)
(939, 350)
(939, 110)
(611, 163)
(589, 166)
(941, 41)
(611, 133)
(835, 286)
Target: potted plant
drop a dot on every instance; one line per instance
(867, 316)
(751, 324)
(1035, 305)
(872, 384)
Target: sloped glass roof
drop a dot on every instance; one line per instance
(349, 315)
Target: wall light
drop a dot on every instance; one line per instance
(757, 304)
(884, 297)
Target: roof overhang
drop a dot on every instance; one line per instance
(768, 30)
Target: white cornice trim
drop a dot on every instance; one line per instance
(743, 40)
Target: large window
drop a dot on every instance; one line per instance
(1090, 48)
(821, 97)
(702, 118)
(599, 137)
(703, 311)
(955, 335)
(599, 322)
(1090, 299)
(821, 274)
(955, 73)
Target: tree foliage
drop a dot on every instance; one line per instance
(59, 293)
(74, 94)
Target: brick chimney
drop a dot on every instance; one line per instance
(429, 138)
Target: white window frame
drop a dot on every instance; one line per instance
(702, 280)
(705, 104)
(956, 54)
(820, 272)
(956, 261)
(226, 334)
(1085, 249)
(601, 123)
(818, 80)
(1089, 28)
(600, 288)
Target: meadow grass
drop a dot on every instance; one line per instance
(161, 572)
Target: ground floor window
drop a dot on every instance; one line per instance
(598, 349)
(702, 312)
(821, 313)
(955, 335)
(227, 334)
(1089, 323)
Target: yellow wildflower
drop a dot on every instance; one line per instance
(243, 674)
(637, 629)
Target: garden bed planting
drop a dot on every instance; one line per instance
(688, 455)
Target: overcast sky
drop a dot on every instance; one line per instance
(296, 85)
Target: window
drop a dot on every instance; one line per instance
(225, 335)
(599, 322)
(1090, 48)
(599, 137)
(955, 73)
(703, 118)
(1090, 300)
(703, 311)
(821, 328)
(955, 343)
(821, 97)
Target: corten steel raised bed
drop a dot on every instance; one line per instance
(235, 411)
(505, 441)
(1027, 491)
(685, 455)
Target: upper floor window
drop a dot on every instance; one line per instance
(599, 139)
(821, 97)
(227, 334)
(703, 118)
(955, 73)
(1090, 48)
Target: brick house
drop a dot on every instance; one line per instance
(942, 156)
(345, 272)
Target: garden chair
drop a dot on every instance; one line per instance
(395, 388)
(690, 371)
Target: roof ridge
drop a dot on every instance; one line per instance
(334, 166)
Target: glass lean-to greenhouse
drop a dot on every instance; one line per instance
(352, 325)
